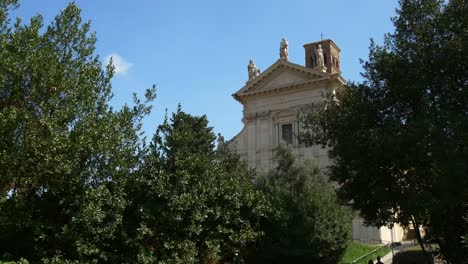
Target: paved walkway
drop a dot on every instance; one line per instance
(387, 259)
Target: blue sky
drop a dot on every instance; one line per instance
(196, 52)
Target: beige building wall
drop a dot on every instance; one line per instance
(365, 234)
(263, 121)
(373, 235)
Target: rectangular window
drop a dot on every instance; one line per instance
(287, 133)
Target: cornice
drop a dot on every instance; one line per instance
(279, 66)
(282, 88)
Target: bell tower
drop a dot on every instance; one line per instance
(331, 55)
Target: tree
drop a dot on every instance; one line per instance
(309, 223)
(65, 154)
(400, 139)
(199, 205)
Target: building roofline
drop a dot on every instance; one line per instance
(279, 63)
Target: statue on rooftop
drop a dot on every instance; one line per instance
(253, 70)
(284, 54)
(319, 56)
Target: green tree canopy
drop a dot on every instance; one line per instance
(400, 139)
(309, 224)
(65, 154)
(198, 204)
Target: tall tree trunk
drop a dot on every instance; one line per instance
(420, 241)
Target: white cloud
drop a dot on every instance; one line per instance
(121, 65)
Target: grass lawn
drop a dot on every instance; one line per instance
(414, 248)
(356, 250)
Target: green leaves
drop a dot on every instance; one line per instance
(308, 222)
(65, 155)
(399, 139)
(199, 205)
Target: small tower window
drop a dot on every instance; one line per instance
(325, 58)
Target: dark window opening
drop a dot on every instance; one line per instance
(324, 58)
(287, 133)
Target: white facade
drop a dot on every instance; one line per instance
(272, 104)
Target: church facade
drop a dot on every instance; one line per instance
(273, 102)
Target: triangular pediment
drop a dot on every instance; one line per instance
(281, 75)
(283, 78)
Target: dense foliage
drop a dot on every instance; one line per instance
(198, 204)
(65, 154)
(78, 182)
(400, 139)
(309, 224)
